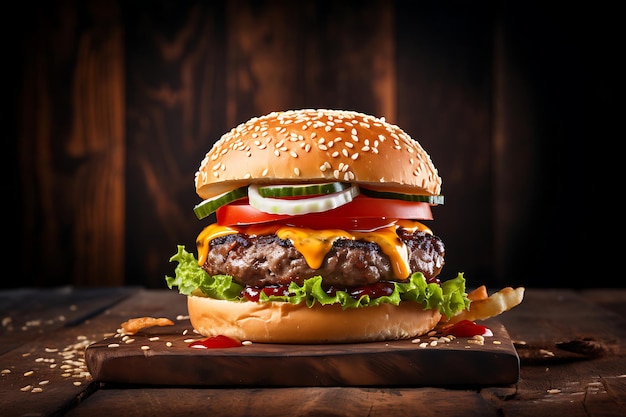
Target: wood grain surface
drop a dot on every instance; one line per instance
(150, 359)
(42, 329)
(116, 103)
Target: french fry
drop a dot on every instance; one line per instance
(132, 326)
(485, 307)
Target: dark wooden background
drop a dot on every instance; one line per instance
(114, 104)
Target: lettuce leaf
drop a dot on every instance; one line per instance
(449, 297)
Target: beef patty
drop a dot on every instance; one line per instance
(268, 260)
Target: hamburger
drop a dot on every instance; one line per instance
(319, 234)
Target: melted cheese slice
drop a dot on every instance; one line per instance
(315, 244)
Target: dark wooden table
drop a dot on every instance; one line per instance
(570, 344)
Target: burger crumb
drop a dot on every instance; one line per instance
(168, 344)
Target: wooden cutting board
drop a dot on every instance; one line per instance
(460, 362)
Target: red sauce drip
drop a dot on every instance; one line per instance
(376, 290)
(466, 328)
(254, 293)
(215, 342)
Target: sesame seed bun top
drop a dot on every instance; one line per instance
(299, 146)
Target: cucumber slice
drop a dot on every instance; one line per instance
(209, 205)
(298, 190)
(300, 206)
(430, 199)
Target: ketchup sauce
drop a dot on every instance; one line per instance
(466, 328)
(376, 290)
(254, 293)
(215, 342)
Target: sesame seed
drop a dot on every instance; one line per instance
(335, 154)
(293, 154)
(113, 345)
(264, 173)
(355, 156)
(296, 171)
(29, 373)
(145, 347)
(345, 152)
(168, 344)
(349, 145)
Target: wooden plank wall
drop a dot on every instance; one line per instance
(117, 103)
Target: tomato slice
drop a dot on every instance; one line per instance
(362, 213)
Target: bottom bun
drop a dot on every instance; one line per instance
(276, 322)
